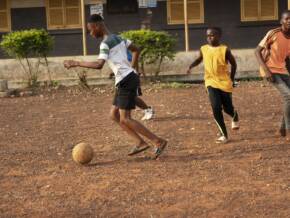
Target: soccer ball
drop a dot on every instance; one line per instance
(82, 153)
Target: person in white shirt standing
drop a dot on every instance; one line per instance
(113, 49)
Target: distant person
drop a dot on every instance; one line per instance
(148, 110)
(272, 54)
(113, 49)
(218, 80)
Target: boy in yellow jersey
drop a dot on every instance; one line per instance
(271, 54)
(218, 80)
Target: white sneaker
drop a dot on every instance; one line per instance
(148, 114)
(221, 140)
(235, 125)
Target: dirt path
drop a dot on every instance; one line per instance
(248, 177)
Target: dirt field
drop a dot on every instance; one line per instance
(248, 177)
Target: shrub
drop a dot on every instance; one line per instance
(27, 44)
(83, 82)
(156, 46)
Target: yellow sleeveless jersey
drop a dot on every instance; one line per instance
(216, 68)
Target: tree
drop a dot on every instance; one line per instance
(156, 46)
(27, 44)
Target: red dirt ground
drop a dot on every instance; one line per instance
(248, 177)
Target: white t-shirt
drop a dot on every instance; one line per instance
(114, 50)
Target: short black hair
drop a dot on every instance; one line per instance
(285, 12)
(95, 18)
(216, 29)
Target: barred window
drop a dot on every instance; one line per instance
(259, 10)
(175, 11)
(63, 14)
(5, 19)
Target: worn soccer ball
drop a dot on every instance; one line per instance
(82, 153)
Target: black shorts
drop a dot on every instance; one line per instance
(139, 91)
(126, 92)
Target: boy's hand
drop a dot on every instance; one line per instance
(70, 63)
(235, 83)
(268, 76)
(269, 79)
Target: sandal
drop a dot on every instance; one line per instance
(137, 150)
(160, 149)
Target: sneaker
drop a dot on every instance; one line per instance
(148, 114)
(235, 125)
(222, 140)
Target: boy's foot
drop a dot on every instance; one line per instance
(148, 114)
(221, 140)
(159, 150)
(235, 125)
(235, 121)
(138, 149)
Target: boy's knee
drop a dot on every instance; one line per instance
(113, 116)
(124, 121)
(229, 110)
(217, 109)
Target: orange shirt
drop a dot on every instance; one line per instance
(278, 47)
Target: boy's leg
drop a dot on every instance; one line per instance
(115, 115)
(126, 119)
(282, 129)
(141, 103)
(148, 111)
(228, 107)
(125, 100)
(227, 103)
(216, 104)
(282, 84)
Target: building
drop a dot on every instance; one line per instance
(244, 22)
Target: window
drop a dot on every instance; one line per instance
(122, 6)
(63, 14)
(175, 11)
(259, 10)
(4, 16)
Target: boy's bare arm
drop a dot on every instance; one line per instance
(262, 63)
(135, 55)
(195, 63)
(231, 59)
(288, 64)
(94, 65)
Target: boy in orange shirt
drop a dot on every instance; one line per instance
(271, 53)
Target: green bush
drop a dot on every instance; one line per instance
(156, 46)
(27, 44)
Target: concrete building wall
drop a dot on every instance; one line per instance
(11, 70)
(27, 14)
